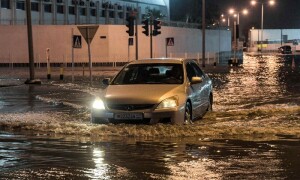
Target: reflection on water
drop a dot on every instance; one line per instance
(271, 80)
(30, 157)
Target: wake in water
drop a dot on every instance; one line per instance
(259, 100)
(263, 123)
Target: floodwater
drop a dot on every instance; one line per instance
(253, 132)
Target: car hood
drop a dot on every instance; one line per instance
(140, 94)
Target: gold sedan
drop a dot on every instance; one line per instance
(153, 91)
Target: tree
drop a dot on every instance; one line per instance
(156, 14)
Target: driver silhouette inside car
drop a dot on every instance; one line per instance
(174, 75)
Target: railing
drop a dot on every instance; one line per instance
(212, 58)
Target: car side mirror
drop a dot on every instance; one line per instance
(196, 80)
(106, 81)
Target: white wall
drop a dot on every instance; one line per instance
(113, 48)
(274, 34)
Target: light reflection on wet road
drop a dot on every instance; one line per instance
(31, 157)
(256, 119)
(271, 80)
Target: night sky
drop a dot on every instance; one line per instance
(284, 15)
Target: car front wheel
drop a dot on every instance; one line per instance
(210, 108)
(188, 114)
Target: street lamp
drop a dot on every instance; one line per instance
(223, 19)
(236, 14)
(271, 3)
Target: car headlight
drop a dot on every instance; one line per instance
(168, 103)
(98, 104)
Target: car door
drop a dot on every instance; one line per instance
(195, 91)
(203, 88)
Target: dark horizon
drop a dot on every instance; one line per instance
(283, 15)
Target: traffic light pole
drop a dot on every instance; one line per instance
(136, 39)
(155, 25)
(151, 37)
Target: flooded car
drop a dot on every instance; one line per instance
(285, 49)
(153, 91)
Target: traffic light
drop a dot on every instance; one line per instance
(146, 27)
(130, 25)
(157, 27)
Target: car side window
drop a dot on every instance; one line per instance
(199, 72)
(190, 71)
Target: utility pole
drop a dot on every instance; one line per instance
(30, 45)
(262, 29)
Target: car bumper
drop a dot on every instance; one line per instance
(172, 115)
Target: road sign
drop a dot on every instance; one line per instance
(88, 32)
(170, 41)
(77, 41)
(295, 42)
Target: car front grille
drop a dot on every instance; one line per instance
(130, 107)
(129, 121)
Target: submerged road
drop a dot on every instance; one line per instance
(253, 132)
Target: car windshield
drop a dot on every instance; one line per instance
(288, 48)
(154, 73)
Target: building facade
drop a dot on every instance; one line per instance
(109, 45)
(68, 12)
(55, 22)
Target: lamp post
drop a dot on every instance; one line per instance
(253, 3)
(236, 14)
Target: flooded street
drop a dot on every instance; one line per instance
(55, 157)
(252, 133)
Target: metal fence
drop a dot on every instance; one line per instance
(211, 58)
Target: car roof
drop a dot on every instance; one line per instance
(159, 60)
